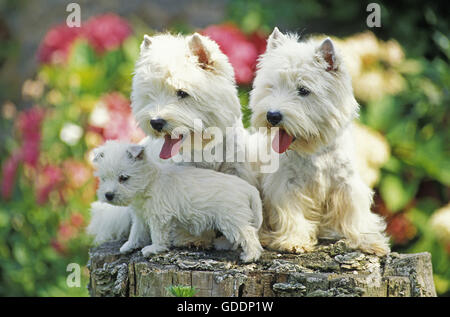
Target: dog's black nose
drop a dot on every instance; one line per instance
(274, 117)
(109, 196)
(158, 124)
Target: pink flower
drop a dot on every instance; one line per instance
(9, 174)
(48, 180)
(106, 32)
(76, 219)
(56, 45)
(77, 173)
(122, 125)
(29, 124)
(103, 33)
(241, 50)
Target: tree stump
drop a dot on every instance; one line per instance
(333, 269)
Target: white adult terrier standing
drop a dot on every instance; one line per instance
(304, 89)
(167, 195)
(178, 80)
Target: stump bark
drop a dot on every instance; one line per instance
(332, 269)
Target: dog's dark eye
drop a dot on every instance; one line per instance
(182, 94)
(123, 178)
(303, 91)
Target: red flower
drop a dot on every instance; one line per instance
(400, 229)
(241, 50)
(77, 173)
(58, 246)
(29, 124)
(124, 126)
(76, 220)
(56, 45)
(106, 32)
(49, 179)
(9, 174)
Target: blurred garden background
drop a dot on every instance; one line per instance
(65, 90)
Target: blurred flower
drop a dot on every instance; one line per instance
(77, 173)
(400, 229)
(48, 180)
(71, 133)
(375, 66)
(93, 139)
(54, 97)
(57, 43)
(65, 232)
(8, 110)
(76, 219)
(99, 116)
(58, 246)
(29, 124)
(241, 50)
(440, 223)
(106, 32)
(103, 33)
(113, 116)
(32, 89)
(372, 151)
(9, 174)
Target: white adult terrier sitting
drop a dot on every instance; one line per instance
(304, 89)
(167, 196)
(177, 80)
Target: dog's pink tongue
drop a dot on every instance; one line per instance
(281, 141)
(170, 147)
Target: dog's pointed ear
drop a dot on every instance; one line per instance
(136, 152)
(275, 39)
(328, 53)
(199, 49)
(146, 43)
(98, 155)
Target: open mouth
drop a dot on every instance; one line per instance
(282, 141)
(171, 146)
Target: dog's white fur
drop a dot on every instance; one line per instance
(196, 65)
(108, 222)
(164, 196)
(317, 190)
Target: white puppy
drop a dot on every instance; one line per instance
(304, 89)
(167, 196)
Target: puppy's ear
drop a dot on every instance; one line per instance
(146, 43)
(136, 152)
(199, 49)
(98, 155)
(275, 39)
(328, 53)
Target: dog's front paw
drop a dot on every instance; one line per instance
(379, 249)
(127, 247)
(152, 249)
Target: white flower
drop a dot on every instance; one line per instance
(99, 116)
(440, 222)
(71, 133)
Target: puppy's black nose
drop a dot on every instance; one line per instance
(158, 124)
(274, 117)
(109, 196)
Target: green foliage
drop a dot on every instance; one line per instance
(181, 291)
